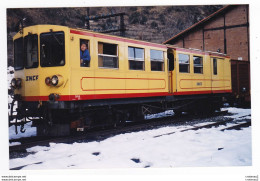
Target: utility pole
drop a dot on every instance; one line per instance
(87, 22)
(121, 27)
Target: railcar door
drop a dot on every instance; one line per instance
(217, 68)
(171, 70)
(214, 72)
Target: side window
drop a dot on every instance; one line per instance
(157, 60)
(184, 63)
(84, 53)
(198, 64)
(215, 66)
(107, 55)
(136, 58)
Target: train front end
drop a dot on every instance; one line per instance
(41, 73)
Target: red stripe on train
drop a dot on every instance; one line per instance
(114, 96)
(96, 96)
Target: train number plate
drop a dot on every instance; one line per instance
(199, 83)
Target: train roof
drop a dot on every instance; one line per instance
(101, 35)
(197, 51)
(114, 37)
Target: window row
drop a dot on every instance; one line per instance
(52, 53)
(184, 64)
(108, 57)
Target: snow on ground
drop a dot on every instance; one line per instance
(159, 115)
(151, 148)
(203, 124)
(29, 131)
(14, 143)
(238, 113)
(10, 73)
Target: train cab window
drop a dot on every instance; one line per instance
(184, 63)
(136, 58)
(198, 64)
(107, 55)
(52, 48)
(84, 53)
(157, 60)
(215, 66)
(31, 51)
(18, 54)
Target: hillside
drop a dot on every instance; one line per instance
(154, 24)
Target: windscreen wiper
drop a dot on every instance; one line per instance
(60, 43)
(43, 52)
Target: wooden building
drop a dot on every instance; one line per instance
(225, 31)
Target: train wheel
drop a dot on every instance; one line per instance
(136, 114)
(53, 130)
(54, 123)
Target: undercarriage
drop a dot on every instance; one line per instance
(59, 118)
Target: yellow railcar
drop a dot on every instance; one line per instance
(199, 72)
(123, 80)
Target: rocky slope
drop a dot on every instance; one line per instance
(154, 24)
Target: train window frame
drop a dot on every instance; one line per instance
(55, 39)
(135, 62)
(35, 64)
(108, 56)
(196, 65)
(81, 40)
(183, 64)
(18, 55)
(157, 63)
(215, 66)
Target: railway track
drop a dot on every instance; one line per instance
(91, 135)
(98, 135)
(237, 126)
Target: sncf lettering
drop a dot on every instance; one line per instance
(32, 78)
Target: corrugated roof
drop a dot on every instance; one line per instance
(199, 23)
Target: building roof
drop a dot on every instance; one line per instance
(198, 23)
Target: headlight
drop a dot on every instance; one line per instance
(57, 80)
(54, 80)
(16, 83)
(48, 81)
(13, 82)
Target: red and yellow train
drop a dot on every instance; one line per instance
(124, 80)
